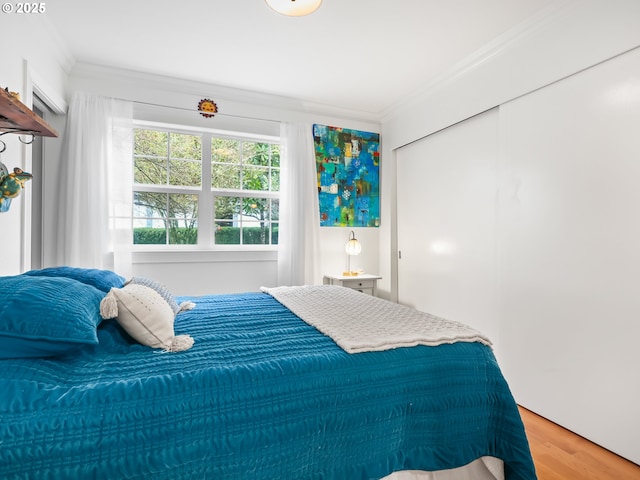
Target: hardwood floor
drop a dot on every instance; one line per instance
(559, 454)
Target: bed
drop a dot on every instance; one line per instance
(260, 394)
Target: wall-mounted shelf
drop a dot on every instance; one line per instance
(16, 117)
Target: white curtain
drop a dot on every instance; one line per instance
(95, 199)
(298, 238)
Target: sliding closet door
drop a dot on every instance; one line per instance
(570, 252)
(525, 223)
(447, 221)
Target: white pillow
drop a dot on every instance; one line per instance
(145, 315)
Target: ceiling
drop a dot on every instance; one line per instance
(362, 55)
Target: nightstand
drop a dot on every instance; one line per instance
(364, 282)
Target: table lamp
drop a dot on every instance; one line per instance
(353, 247)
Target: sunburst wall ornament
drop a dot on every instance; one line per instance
(207, 106)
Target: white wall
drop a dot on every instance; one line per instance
(32, 57)
(193, 272)
(228, 271)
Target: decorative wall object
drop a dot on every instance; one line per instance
(207, 106)
(11, 184)
(348, 166)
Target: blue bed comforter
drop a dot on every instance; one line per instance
(261, 395)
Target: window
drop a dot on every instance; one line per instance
(204, 188)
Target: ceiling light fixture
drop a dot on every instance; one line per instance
(294, 8)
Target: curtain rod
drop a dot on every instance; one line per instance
(198, 111)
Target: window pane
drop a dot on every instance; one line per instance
(183, 206)
(185, 160)
(256, 154)
(150, 143)
(186, 146)
(226, 208)
(150, 171)
(225, 150)
(255, 233)
(275, 210)
(150, 157)
(149, 205)
(245, 221)
(183, 231)
(185, 173)
(255, 178)
(149, 232)
(225, 176)
(161, 218)
(256, 208)
(149, 223)
(275, 155)
(275, 180)
(226, 233)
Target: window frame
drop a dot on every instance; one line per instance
(205, 192)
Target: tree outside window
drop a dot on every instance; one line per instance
(169, 168)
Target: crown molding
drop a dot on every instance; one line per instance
(221, 93)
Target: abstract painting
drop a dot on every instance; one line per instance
(348, 168)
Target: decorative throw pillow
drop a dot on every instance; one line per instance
(46, 316)
(103, 280)
(164, 293)
(146, 316)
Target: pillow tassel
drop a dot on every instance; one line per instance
(186, 306)
(180, 343)
(109, 306)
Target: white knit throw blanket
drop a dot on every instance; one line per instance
(362, 323)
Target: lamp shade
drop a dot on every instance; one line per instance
(294, 8)
(353, 246)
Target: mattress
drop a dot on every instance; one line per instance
(260, 395)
